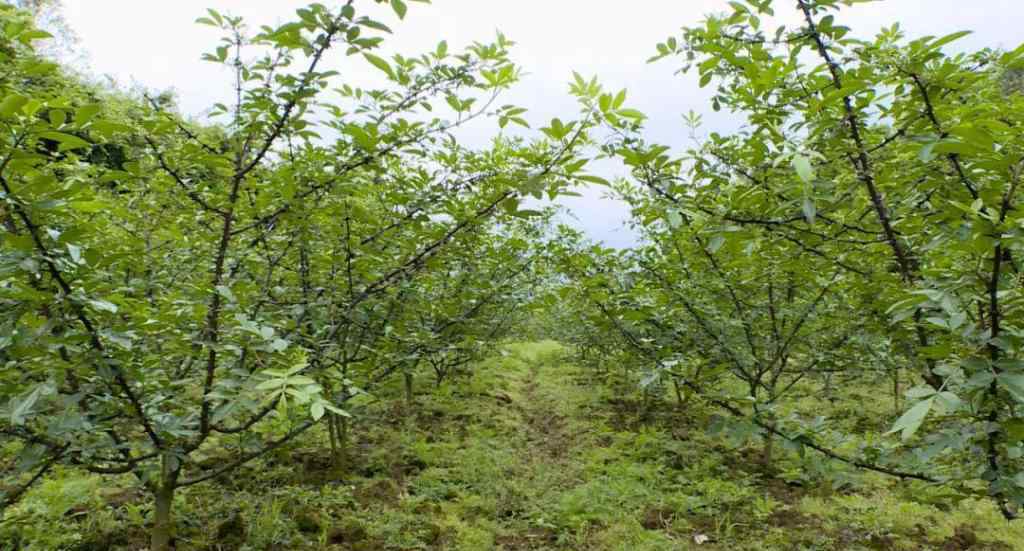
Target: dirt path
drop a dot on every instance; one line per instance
(547, 427)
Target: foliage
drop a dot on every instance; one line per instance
(863, 223)
(185, 301)
(226, 280)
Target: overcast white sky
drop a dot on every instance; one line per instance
(157, 44)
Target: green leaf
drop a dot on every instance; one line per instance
(454, 103)
(272, 384)
(631, 114)
(225, 291)
(370, 23)
(399, 7)
(86, 113)
(919, 392)
(380, 63)
(739, 8)
(107, 129)
(215, 15)
(716, 243)
(66, 141)
(1014, 429)
(224, 410)
(12, 104)
(317, 410)
(947, 402)
(674, 219)
(279, 345)
(927, 152)
(594, 179)
(949, 38)
(300, 380)
(336, 410)
(909, 422)
(803, 168)
(362, 138)
(23, 404)
(34, 34)
(1012, 383)
(981, 379)
(57, 118)
(88, 206)
(103, 305)
(809, 210)
(527, 213)
(120, 339)
(620, 98)
(32, 107)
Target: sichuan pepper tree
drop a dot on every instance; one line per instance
(209, 284)
(894, 165)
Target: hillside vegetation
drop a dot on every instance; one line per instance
(314, 319)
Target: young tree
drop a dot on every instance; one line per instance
(884, 170)
(218, 278)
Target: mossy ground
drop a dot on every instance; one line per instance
(531, 452)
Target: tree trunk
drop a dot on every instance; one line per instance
(408, 388)
(163, 523)
(342, 441)
(644, 407)
(333, 438)
(766, 452)
(679, 393)
(896, 391)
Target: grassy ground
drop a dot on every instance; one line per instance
(529, 453)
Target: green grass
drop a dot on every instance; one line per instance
(529, 453)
